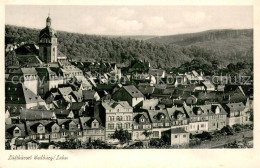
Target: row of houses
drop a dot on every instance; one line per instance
(45, 126)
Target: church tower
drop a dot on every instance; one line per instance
(48, 43)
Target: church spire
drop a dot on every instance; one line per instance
(48, 20)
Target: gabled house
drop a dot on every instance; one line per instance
(237, 113)
(160, 122)
(198, 118)
(233, 94)
(77, 95)
(14, 131)
(78, 108)
(65, 92)
(70, 128)
(63, 114)
(161, 73)
(42, 130)
(47, 80)
(208, 85)
(178, 118)
(83, 83)
(141, 123)
(217, 117)
(18, 97)
(117, 115)
(24, 144)
(93, 129)
(130, 94)
(90, 95)
(146, 89)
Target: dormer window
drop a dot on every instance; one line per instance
(62, 126)
(78, 126)
(199, 111)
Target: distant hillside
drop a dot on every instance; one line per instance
(137, 37)
(208, 46)
(206, 36)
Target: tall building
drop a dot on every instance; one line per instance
(48, 51)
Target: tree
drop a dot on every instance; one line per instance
(122, 135)
(204, 136)
(70, 143)
(147, 134)
(11, 59)
(227, 130)
(97, 144)
(157, 142)
(237, 127)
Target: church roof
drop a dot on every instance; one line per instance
(48, 31)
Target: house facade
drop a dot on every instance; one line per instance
(179, 137)
(117, 115)
(93, 129)
(141, 124)
(130, 94)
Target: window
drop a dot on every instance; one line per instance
(45, 51)
(16, 131)
(119, 125)
(176, 136)
(201, 125)
(110, 126)
(54, 135)
(40, 128)
(155, 133)
(184, 136)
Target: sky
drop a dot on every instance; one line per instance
(131, 20)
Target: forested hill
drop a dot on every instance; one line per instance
(82, 47)
(205, 36)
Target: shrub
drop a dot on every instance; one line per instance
(227, 130)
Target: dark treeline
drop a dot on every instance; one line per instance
(83, 47)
